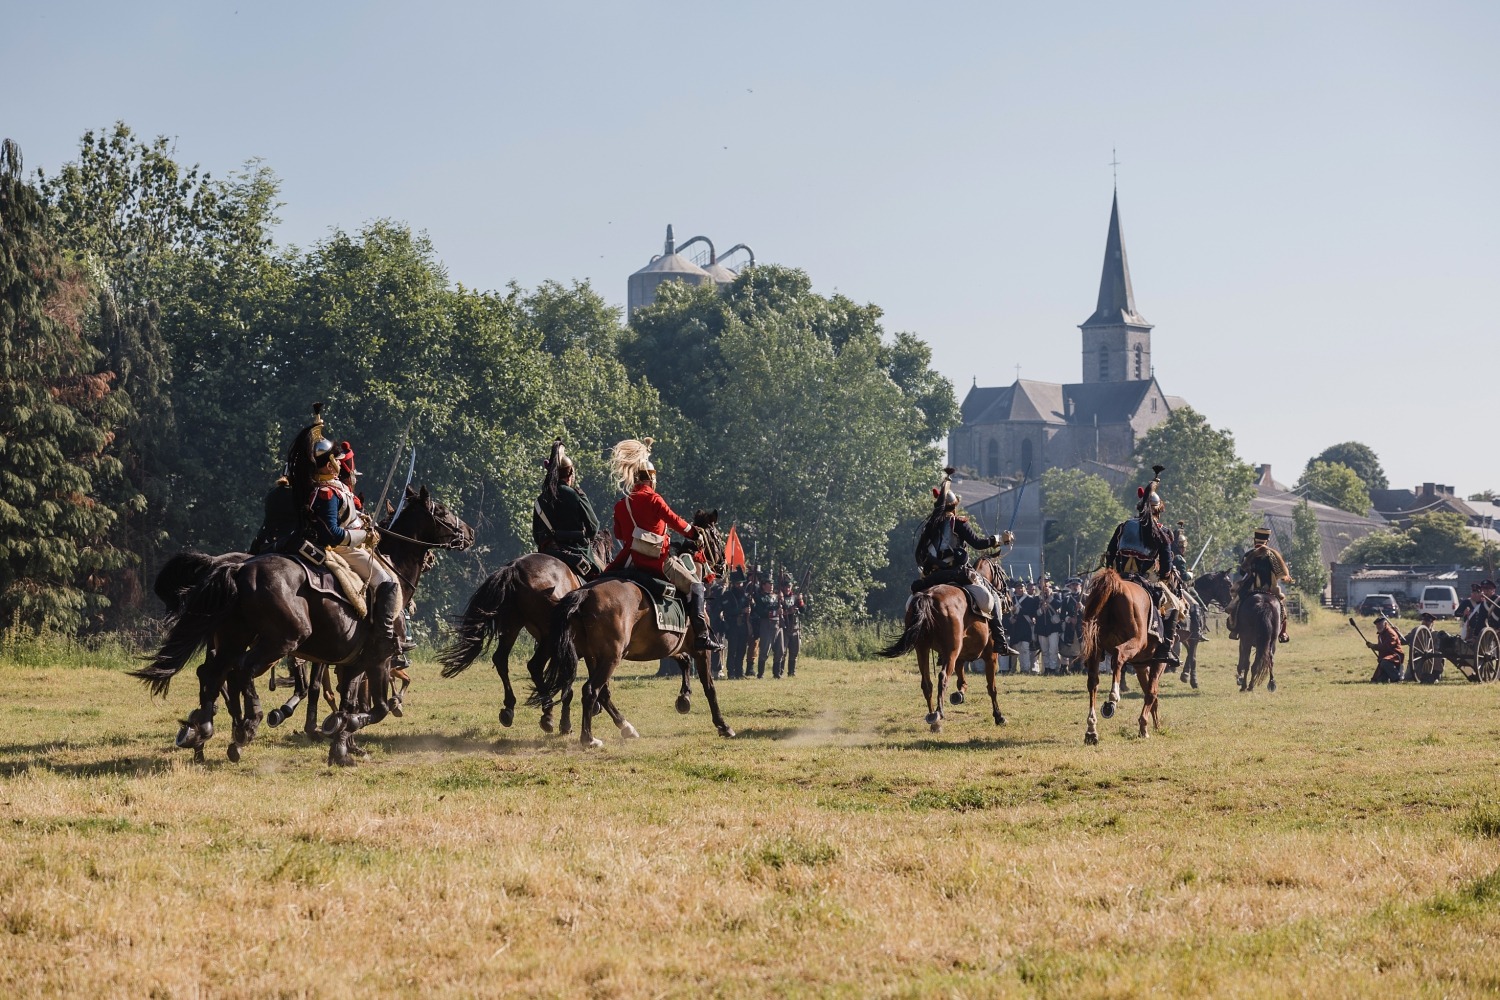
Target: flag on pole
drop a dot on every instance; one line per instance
(734, 552)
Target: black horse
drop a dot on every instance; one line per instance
(1258, 622)
(251, 614)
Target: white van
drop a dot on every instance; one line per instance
(1440, 602)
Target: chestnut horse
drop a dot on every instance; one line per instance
(522, 594)
(1117, 627)
(939, 621)
(608, 620)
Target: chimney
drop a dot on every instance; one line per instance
(1429, 490)
(1265, 475)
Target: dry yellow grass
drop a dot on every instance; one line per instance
(1331, 839)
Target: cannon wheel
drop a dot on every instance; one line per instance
(1423, 660)
(1487, 655)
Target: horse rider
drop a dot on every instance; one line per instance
(563, 522)
(943, 556)
(1184, 575)
(1262, 571)
(642, 518)
(281, 525)
(338, 524)
(1141, 550)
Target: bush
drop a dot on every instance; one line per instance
(850, 640)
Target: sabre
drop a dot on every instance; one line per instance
(410, 469)
(1019, 494)
(395, 461)
(1194, 567)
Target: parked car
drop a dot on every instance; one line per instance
(1378, 604)
(1439, 601)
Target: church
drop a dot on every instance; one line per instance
(1094, 424)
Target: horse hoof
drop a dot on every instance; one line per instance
(1145, 733)
(1090, 739)
(184, 738)
(507, 717)
(936, 727)
(1271, 685)
(233, 753)
(332, 725)
(592, 743)
(358, 751)
(999, 719)
(726, 732)
(546, 724)
(931, 718)
(275, 718)
(1183, 677)
(394, 707)
(1107, 710)
(1195, 683)
(684, 704)
(956, 698)
(627, 731)
(198, 754)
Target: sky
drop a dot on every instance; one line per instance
(1307, 190)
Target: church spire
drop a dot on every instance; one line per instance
(1116, 298)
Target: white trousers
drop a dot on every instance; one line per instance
(1049, 645)
(370, 567)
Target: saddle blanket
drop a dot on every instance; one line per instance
(671, 612)
(982, 601)
(336, 579)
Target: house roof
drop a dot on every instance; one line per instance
(1116, 304)
(1336, 528)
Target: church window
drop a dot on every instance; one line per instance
(1153, 404)
(992, 459)
(1139, 353)
(1025, 456)
(1103, 363)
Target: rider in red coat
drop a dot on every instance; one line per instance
(643, 510)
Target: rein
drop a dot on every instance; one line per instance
(388, 533)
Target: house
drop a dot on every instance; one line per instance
(1275, 504)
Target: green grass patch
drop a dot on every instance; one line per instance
(1483, 821)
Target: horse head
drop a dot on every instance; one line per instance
(424, 517)
(1214, 588)
(707, 523)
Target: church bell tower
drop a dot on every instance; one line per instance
(1116, 338)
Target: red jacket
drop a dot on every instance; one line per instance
(652, 514)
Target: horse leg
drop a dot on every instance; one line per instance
(1242, 674)
(706, 678)
(234, 683)
(565, 724)
(684, 703)
(501, 659)
(945, 670)
(1091, 732)
(299, 691)
(606, 699)
(598, 677)
(961, 678)
(991, 666)
(317, 685)
(923, 653)
(1157, 669)
(1143, 677)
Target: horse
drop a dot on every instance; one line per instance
(608, 620)
(1116, 626)
(1257, 613)
(939, 621)
(253, 613)
(521, 594)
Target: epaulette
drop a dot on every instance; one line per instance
(324, 493)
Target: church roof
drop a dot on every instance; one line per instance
(980, 400)
(1110, 402)
(1116, 305)
(1037, 401)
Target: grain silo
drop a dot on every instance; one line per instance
(670, 266)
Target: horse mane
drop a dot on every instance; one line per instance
(1106, 584)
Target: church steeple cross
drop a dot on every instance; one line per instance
(1114, 163)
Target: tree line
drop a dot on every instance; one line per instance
(159, 349)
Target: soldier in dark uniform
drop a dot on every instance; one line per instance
(281, 526)
(1141, 549)
(792, 609)
(768, 629)
(563, 522)
(1072, 619)
(943, 555)
(736, 625)
(1262, 570)
(752, 622)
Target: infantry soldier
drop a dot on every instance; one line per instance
(1262, 570)
(792, 609)
(768, 626)
(735, 609)
(563, 522)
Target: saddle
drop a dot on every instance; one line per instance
(666, 600)
(1161, 597)
(336, 579)
(982, 602)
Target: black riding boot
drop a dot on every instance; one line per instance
(697, 608)
(386, 617)
(1002, 641)
(1168, 654)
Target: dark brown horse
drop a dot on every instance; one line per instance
(252, 614)
(522, 594)
(609, 620)
(1255, 614)
(939, 621)
(1117, 627)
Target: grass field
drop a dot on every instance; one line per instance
(1331, 839)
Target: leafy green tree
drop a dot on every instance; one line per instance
(1083, 511)
(1305, 556)
(1206, 484)
(1441, 538)
(1337, 485)
(58, 412)
(1360, 458)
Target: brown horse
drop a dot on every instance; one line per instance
(522, 594)
(252, 614)
(939, 621)
(1117, 627)
(1255, 614)
(609, 620)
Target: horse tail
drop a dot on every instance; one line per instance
(1106, 584)
(923, 620)
(480, 623)
(562, 662)
(203, 609)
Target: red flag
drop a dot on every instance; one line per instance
(734, 552)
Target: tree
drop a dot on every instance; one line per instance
(1335, 484)
(58, 414)
(1305, 556)
(1206, 484)
(1083, 512)
(1360, 458)
(1441, 538)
